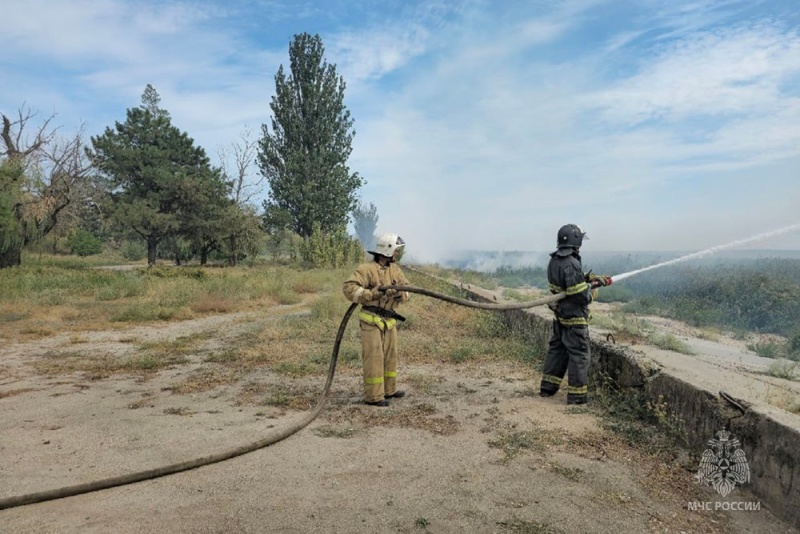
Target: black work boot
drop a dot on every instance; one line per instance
(547, 389)
(573, 400)
(396, 395)
(383, 402)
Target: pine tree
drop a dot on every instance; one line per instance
(164, 186)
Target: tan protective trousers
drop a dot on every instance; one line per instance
(379, 356)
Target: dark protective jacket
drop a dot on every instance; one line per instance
(565, 273)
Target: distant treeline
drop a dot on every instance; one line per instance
(761, 295)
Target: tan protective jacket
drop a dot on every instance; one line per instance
(371, 275)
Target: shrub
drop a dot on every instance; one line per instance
(794, 341)
(330, 249)
(133, 250)
(615, 294)
(767, 349)
(84, 244)
(783, 369)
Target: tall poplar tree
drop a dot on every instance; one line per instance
(304, 154)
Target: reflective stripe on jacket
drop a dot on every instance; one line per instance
(565, 273)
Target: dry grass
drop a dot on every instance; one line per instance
(214, 303)
(288, 349)
(42, 298)
(289, 352)
(286, 395)
(101, 364)
(13, 392)
(205, 379)
(514, 442)
(417, 415)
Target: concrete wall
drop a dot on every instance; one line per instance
(772, 448)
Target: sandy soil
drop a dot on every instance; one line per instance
(471, 449)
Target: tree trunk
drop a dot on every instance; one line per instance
(152, 245)
(11, 257)
(234, 257)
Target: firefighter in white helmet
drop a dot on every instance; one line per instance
(378, 318)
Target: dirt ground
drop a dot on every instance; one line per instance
(472, 448)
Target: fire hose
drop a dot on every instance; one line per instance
(149, 474)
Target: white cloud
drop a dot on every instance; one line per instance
(369, 55)
(725, 72)
(479, 125)
(79, 31)
(477, 153)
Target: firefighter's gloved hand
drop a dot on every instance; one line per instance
(392, 294)
(369, 295)
(599, 280)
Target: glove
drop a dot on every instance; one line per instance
(369, 295)
(391, 293)
(599, 280)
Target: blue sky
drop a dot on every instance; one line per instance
(479, 124)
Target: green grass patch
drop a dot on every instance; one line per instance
(571, 473)
(637, 420)
(142, 313)
(228, 356)
(527, 527)
(98, 365)
(296, 369)
(10, 317)
(180, 346)
(516, 442)
(335, 432)
(668, 341)
(513, 294)
(786, 369)
(462, 354)
(767, 349)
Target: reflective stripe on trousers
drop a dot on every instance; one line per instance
(379, 356)
(568, 351)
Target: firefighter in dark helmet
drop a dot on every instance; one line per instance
(569, 349)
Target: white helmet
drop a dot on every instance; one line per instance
(387, 244)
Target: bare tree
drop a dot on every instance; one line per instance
(13, 135)
(238, 161)
(39, 173)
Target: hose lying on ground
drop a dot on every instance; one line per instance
(70, 491)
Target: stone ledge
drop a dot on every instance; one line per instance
(772, 447)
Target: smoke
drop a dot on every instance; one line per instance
(710, 251)
(491, 261)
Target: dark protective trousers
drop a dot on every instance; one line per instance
(568, 350)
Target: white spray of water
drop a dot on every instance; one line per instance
(708, 251)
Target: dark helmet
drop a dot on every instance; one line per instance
(571, 235)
